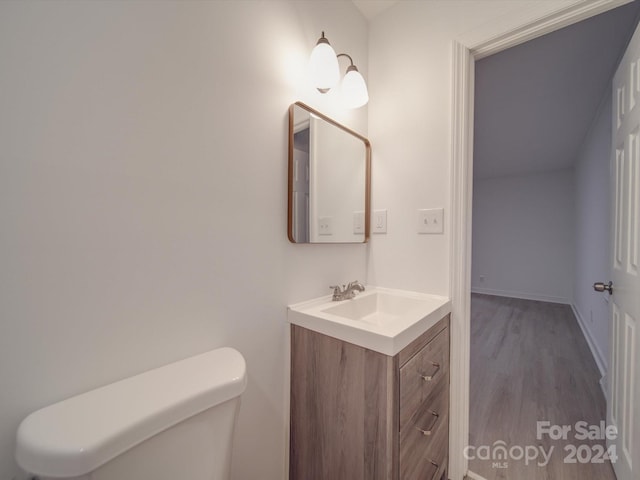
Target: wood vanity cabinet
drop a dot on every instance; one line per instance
(357, 414)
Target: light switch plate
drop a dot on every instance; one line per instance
(325, 225)
(431, 220)
(379, 223)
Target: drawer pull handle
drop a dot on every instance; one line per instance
(428, 378)
(428, 431)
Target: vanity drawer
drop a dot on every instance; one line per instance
(424, 377)
(424, 457)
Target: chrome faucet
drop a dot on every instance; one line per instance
(346, 292)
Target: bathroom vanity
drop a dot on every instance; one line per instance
(374, 403)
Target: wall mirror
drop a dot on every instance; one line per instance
(329, 180)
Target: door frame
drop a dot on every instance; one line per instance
(466, 50)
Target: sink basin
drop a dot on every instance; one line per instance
(376, 308)
(380, 319)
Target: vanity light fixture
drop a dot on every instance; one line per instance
(325, 73)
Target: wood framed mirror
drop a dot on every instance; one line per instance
(329, 180)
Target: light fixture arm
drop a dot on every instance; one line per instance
(346, 55)
(350, 68)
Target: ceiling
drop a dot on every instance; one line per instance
(371, 8)
(535, 102)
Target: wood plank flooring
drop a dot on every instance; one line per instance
(530, 362)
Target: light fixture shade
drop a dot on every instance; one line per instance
(354, 89)
(324, 68)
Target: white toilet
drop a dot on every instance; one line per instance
(174, 422)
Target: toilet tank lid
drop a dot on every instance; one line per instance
(76, 436)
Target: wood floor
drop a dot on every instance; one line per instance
(529, 363)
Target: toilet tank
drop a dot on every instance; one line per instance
(173, 422)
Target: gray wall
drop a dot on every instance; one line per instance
(593, 231)
(523, 232)
(546, 236)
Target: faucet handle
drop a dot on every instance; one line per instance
(337, 293)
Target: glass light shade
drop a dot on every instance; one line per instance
(354, 89)
(325, 71)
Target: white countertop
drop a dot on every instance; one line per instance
(380, 319)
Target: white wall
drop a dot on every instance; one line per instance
(592, 244)
(523, 231)
(410, 126)
(139, 226)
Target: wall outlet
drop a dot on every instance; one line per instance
(379, 224)
(431, 220)
(482, 277)
(358, 222)
(325, 225)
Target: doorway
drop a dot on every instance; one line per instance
(464, 64)
(542, 138)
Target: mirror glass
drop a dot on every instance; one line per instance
(329, 180)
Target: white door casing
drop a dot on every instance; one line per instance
(301, 195)
(301, 177)
(624, 377)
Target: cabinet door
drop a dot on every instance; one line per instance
(342, 404)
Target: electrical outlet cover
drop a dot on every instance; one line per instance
(325, 225)
(379, 223)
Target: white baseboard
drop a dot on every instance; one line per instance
(604, 384)
(595, 350)
(523, 296)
